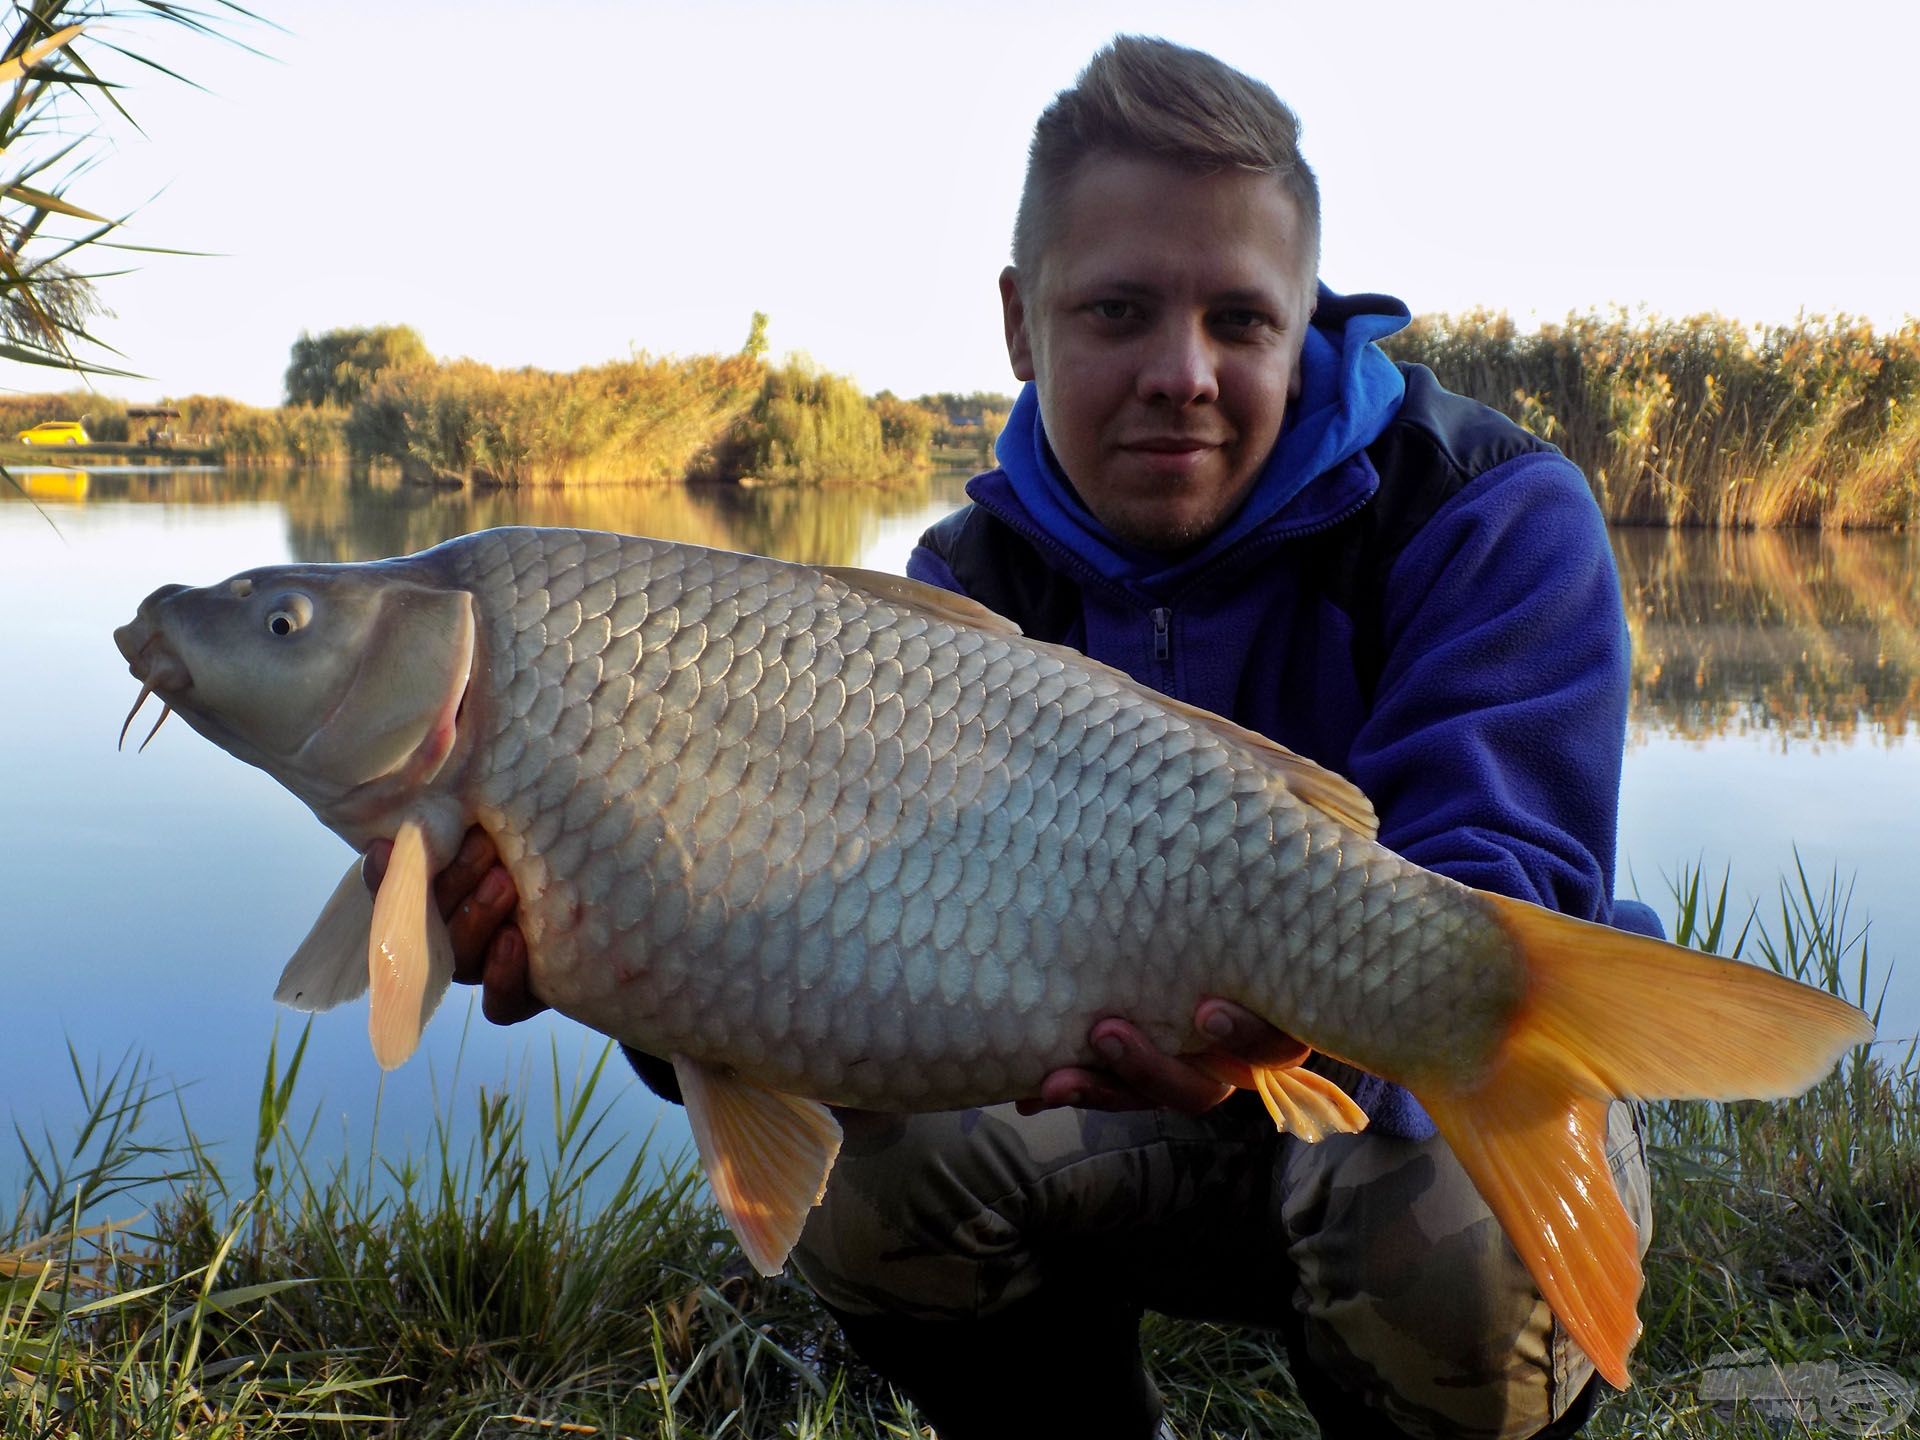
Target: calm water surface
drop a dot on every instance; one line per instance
(150, 900)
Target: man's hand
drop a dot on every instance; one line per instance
(1139, 1077)
(476, 898)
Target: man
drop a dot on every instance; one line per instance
(1215, 480)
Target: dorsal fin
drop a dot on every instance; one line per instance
(1334, 796)
(908, 594)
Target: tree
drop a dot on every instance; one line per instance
(907, 428)
(337, 368)
(756, 346)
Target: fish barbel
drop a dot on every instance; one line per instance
(826, 836)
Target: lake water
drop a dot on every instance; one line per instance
(150, 900)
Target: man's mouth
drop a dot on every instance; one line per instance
(1171, 444)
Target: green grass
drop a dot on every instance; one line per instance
(551, 1272)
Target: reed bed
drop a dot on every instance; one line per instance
(105, 419)
(1703, 420)
(462, 422)
(284, 435)
(547, 1276)
(256, 434)
(244, 434)
(643, 420)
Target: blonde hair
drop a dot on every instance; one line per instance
(1145, 96)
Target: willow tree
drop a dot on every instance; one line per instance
(340, 366)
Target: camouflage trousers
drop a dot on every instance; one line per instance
(1374, 1254)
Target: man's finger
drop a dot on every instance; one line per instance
(1244, 1035)
(474, 921)
(1163, 1080)
(1081, 1089)
(453, 884)
(465, 872)
(506, 997)
(373, 869)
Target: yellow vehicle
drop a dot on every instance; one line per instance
(55, 432)
(60, 485)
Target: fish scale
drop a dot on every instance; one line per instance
(1049, 841)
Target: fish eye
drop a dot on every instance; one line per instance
(290, 612)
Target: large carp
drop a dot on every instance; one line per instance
(825, 835)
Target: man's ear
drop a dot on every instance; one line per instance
(1013, 309)
(1306, 319)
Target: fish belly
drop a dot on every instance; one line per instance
(857, 851)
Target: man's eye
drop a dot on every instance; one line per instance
(1112, 309)
(1241, 320)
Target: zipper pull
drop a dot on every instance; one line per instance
(1162, 640)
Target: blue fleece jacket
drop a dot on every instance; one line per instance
(1490, 743)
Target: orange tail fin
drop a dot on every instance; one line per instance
(1609, 1015)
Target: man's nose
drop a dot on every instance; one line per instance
(1180, 366)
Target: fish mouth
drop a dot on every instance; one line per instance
(154, 664)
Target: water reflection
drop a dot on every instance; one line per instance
(350, 515)
(1812, 636)
(1801, 634)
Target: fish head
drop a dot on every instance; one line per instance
(344, 682)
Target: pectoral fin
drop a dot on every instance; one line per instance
(767, 1156)
(409, 957)
(330, 967)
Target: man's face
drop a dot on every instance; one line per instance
(1163, 333)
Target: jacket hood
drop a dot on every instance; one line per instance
(1349, 391)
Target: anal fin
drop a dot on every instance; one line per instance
(409, 957)
(330, 966)
(1301, 1102)
(1306, 1104)
(767, 1156)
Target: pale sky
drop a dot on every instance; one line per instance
(559, 184)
